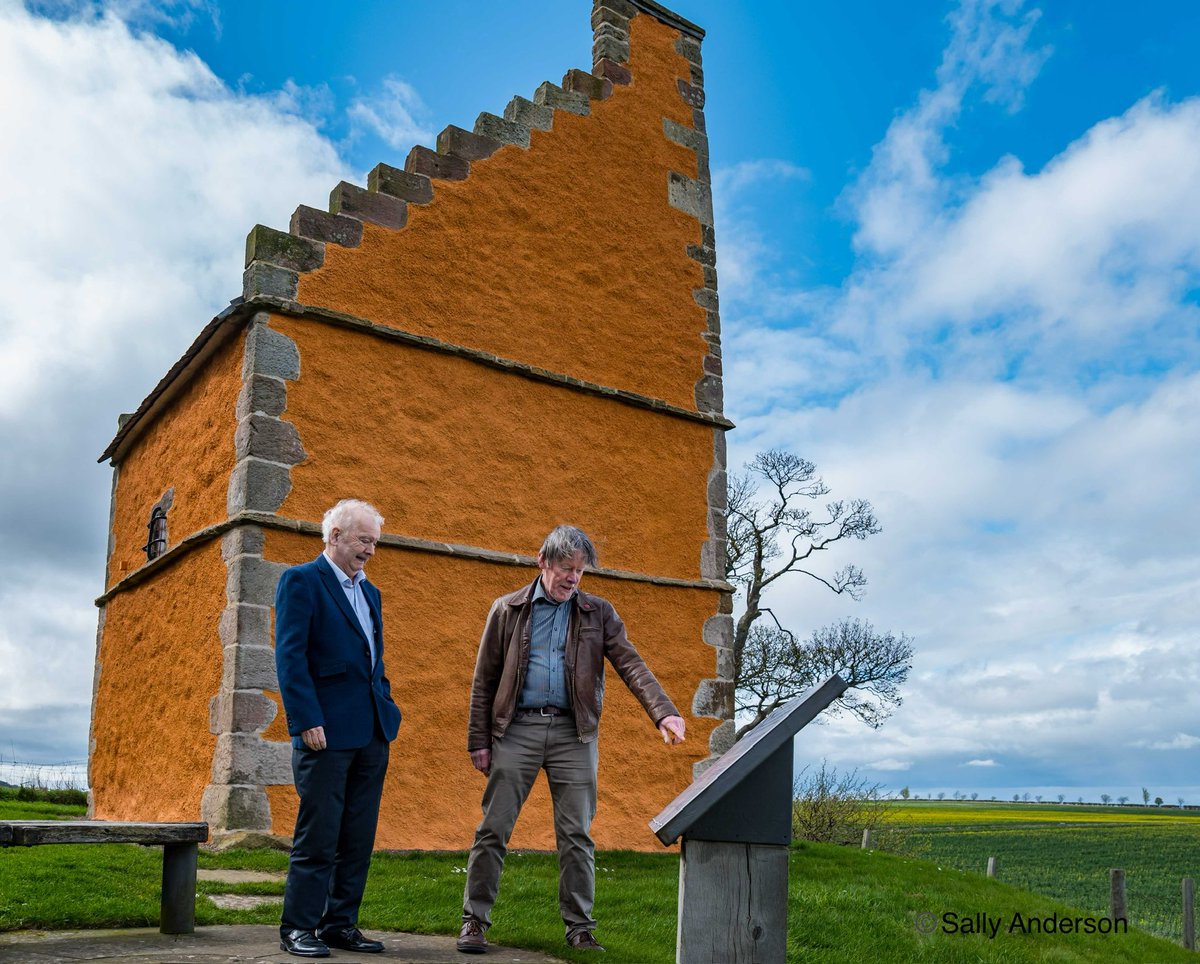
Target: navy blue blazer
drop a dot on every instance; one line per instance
(323, 663)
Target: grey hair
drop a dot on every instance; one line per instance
(343, 512)
(565, 541)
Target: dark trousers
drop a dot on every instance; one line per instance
(335, 834)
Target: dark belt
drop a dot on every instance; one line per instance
(544, 711)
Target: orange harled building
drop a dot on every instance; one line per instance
(516, 330)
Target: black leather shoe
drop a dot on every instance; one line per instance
(303, 944)
(350, 939)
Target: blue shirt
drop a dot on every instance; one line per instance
(545, 680)
(352, 586)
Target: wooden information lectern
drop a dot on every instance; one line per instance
(736, 824)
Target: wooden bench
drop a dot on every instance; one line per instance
(177, 912)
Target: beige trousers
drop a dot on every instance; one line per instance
(530, 744)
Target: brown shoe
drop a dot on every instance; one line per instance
(471, 939)
(584, 941)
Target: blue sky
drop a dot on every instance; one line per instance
(958, 247)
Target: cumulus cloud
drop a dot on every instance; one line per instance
(981, 763)
(1010, 374)
(133, 175)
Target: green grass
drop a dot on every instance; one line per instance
(1066, 852)
(845, 905)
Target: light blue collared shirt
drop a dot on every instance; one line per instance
(545, 680)
(352, 586)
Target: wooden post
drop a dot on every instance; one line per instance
(1116, 895)
(866, 844)
(1189, 913)
(177, 912)
(991, 870)
(732, 903)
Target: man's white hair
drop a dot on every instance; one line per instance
(342, 514)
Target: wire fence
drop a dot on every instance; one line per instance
(71, 774)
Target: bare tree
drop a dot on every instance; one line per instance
(773, 531)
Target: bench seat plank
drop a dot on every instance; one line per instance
(31, 833)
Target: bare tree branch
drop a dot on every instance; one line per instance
(771, 532)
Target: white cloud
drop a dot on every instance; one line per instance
(1181, 741)
(1010, 375)
(397, 114)
(133, 175)
(981, 763)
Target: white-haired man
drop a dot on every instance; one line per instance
(535, 705)
(340, 714)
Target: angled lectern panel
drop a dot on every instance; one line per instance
(746, 796)
(736, 825)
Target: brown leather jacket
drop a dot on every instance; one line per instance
(595, 632)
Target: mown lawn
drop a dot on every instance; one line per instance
(845, 904)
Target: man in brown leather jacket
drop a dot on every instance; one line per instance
(535, 704)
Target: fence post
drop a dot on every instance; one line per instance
(866, 844)
(991, 871)
(1189, 913)
(1116, 895)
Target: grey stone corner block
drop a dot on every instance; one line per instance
(699, 768)
(252, 580)
(269, 280)
(270, 353)
(242, 541)
(268, 438)
(610, 48)
(226, 807)
(690, 196)
(712, 559)
(325, 227)
(718, 489)
(718, 524)
(726, 664)
(607, 12)
(240, 711)
(502, 130)
(523, 111)
(250, 667)
(710, 397)
(258, 486)
(722, 738)
(707, 299)
(286, 250)
(353, 201)
(687, 137)
(466, 144)
(593, 87)
(551, 95)
(714, 698)
(414, 188)
(622, 8)
(446, 167)
(689, 48)
(262, 394)
(246, 758)
(244, 625)
(690, 94)
(718, 630)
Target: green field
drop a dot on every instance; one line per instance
(1066, 851)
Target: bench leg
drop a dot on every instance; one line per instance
(177, 915)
